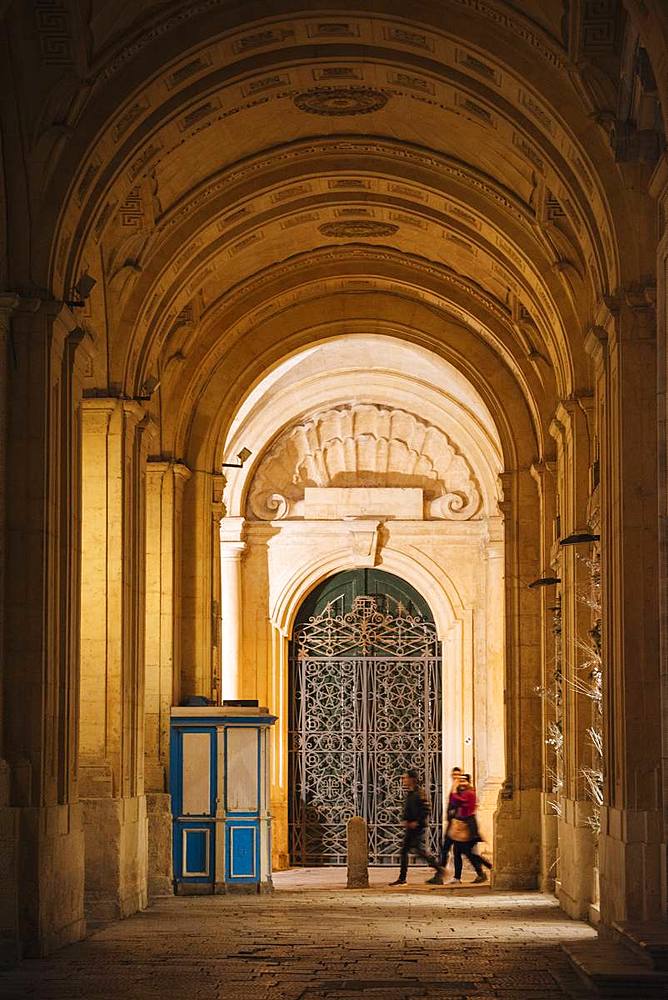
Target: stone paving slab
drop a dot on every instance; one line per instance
(313, 939)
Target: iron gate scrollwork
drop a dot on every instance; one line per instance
(365, 705)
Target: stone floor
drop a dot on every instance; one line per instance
(315, 940)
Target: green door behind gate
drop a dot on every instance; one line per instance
(365, 705)
(343, 588)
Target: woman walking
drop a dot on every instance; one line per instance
(463, 831)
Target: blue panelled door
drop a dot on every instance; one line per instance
(193, 788)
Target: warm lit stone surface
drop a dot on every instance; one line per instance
(443, 227)
(315, 939)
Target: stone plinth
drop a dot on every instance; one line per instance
(116, 857)
(358, 853)
(160, 874)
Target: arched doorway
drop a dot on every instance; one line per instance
(365, 705)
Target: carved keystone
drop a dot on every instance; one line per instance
(358, 853)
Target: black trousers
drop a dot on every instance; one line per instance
(445, 853)
(445, 850)
(413, 843)
(465, 850)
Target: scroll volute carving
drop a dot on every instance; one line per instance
(363, 445)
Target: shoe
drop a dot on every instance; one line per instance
(479, 878)
(454, 881)
(398, 881)
(437, 879)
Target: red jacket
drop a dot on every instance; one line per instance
(465, 803)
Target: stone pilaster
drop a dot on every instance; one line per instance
(164, 502)
(40, 663)
(232, 548)
(202, 510)
(517, 818)
(632, 838)
(572, 434)
(112, 657)
(492, 780)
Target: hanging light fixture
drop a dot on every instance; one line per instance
(580, 538)
(544, 581)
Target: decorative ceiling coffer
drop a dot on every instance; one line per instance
(369, 446)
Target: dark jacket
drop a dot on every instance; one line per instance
(416, 809)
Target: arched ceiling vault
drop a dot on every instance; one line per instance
(205, 411)
(489, 238)
(227, 171)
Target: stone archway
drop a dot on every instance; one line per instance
(336, 485)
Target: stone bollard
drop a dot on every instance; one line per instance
(358, 853)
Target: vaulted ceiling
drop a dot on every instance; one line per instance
(244, 179)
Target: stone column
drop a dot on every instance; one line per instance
(9, 817)
(577, 842)
(547, 597)
(40, 662)
(8, 303)
(164, 501)
(632, 841)
(518, 819)
(232, 548)
(659, 190)
(488, 790)
(112, 657)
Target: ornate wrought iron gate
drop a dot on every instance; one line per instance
(365, 705)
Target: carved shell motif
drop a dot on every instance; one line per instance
(363, 445)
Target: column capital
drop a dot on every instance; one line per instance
(110, 404)
(162, 465)
(540, 470)
(494, 545)
(232, 530)
(570, 413)
(157, 466)
(9, 302)
(54, 310)
(635, 296)
(181, 472)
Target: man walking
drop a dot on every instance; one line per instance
(416, 810)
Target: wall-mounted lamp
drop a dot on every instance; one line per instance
(580, 537)
(148, 388)
(242, 456)
(544, 581)
(81, 291)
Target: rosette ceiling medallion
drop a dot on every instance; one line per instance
(339, 101)
(357, 229)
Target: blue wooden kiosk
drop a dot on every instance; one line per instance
(219, 783)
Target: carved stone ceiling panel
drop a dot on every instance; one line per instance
(364, 445)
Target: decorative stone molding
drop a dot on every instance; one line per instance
(342, 256)
(364, 542)
(363, 445)
(339, 101)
